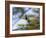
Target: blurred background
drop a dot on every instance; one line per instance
(25, 18)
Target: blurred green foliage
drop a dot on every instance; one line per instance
(31, 26)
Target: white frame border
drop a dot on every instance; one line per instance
(28, 31)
